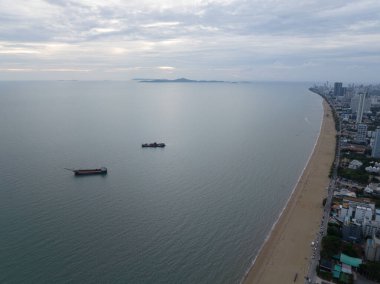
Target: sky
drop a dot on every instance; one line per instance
(258, 40)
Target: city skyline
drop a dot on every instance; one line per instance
(213, 40)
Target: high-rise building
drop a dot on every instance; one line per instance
(355, 103)
(361, 134)
(344, 91)
(351, 231)
(372, 247)
(370, 226)
(359, 113)
(376, 144)
(338, 90)
(363, 213)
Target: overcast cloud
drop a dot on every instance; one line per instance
(293, 40)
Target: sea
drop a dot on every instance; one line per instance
(196, 211)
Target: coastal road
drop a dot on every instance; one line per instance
(316, 248)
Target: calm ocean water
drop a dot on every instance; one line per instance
(195, 212)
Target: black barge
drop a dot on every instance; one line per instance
(84, 172)
(153, 145)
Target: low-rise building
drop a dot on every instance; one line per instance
(344, 193)
(372, 169)
(351, 261)
(355, 164)
(372, 189)
(325, 264)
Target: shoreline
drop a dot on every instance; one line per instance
(286, 249)
(288, 200)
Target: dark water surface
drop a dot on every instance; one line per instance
(196, 211)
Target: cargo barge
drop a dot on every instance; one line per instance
(153, 145)
(83, 172)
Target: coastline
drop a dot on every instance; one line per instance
(286, 250)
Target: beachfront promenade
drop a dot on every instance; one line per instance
(287, 252)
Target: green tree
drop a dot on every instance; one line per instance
(371, 270)
(349, 250)
(334, 231)
(330, 246)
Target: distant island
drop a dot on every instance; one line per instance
(180, 80)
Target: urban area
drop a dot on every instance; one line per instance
(347, 247)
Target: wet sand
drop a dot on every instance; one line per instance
(287, 250)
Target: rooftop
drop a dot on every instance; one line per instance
(355, 262)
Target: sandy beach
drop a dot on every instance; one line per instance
(287, 251)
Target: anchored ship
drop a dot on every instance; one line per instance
(82, 172)
(154, 145)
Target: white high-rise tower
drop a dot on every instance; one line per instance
(359, 114)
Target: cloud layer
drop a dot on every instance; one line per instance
(214, 39)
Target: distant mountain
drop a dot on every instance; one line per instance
(180, 80)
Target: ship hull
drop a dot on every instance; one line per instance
(89, 173)
(86, 172)
(153, 145)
